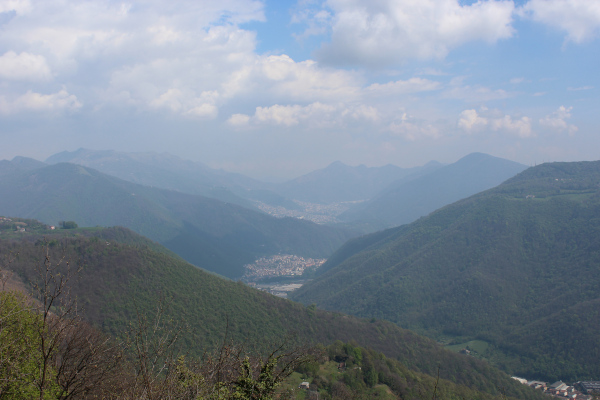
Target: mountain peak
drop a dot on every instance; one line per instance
(337, 164)
(27, 163)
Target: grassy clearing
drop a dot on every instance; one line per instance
(479, 347)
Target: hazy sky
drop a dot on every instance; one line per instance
(283, 87)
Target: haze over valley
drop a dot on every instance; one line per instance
(299, 199)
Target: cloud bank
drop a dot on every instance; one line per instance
(385, 32)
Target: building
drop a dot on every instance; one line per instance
(589, 387)
(304, 385)
(558, 385)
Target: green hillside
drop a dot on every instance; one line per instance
(517, 267)
(354, 372)
(119, 276)
(211, 234)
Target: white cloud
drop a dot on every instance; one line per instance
(313, 114)
(163, 34)
(556, 121)
(412, 85)
(19, 6)
(469, 120)
(413, 129)
(186, 103)
(413, 132)
(580, 19)
(239, 120)
(316, 115)
(280, 115)
(305, 80)
(472, 121)
(24, 67)
(231, 71)
(205, 110)
(317, 21)
(37, 102)
(365, 112)
(149, 54)
(198, 75)
(384, 32)
(519, 127)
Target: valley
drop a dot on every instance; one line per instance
(124, 275)
(455, 276)
(299, 200)
(317, 213)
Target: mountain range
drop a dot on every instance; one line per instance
(425, 190)
(335, 183)
(374, 197)
(339, 182)
(217, 236)
(515, 267)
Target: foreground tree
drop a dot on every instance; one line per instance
(231, 372)
(19, 359)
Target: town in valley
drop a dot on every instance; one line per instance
(280, 274)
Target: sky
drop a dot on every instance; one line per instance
(275, 89)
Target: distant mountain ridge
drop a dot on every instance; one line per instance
(164, 171)
(211, 234)
(516, 266)
(339, 182)
(419, 194)
(374, 197)
(27, 163)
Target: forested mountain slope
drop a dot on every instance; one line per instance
(415, 196)
(122, 273)
(211, 234)
(517, 266)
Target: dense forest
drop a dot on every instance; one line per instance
(515, 267)
(123, 276)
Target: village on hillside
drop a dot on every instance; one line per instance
(584, 390)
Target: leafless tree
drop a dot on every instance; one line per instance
(151, 343)
(58, 311)
(87, 363)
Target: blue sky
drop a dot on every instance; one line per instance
(279, 88)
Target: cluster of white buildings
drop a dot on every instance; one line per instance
(579, 391)
(283, 265)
